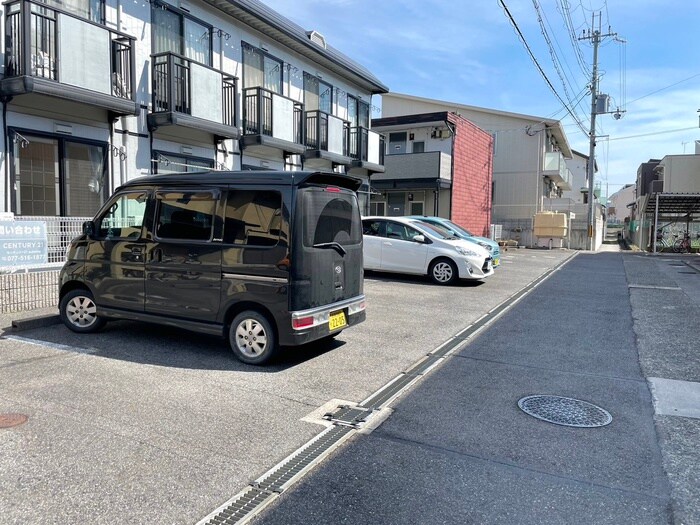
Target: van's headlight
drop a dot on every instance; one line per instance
(485, 245)
(465, 252)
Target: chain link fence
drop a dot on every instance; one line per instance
(31, 286)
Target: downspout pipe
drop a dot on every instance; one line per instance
(453, 133)
(8, 188)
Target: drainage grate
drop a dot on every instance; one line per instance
(689, 273)
(276, 480)
(346, 415)
(12, 420)
(239, 509)
(565, 411)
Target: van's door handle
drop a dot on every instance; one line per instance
(137, 252)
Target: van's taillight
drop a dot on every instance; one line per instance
(302, 322)
(332, 189)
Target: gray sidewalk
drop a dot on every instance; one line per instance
(457, 448)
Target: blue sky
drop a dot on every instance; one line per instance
(467, 51)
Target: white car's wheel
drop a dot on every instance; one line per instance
(443, 271)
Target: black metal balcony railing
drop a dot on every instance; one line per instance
(33, 46)
(317, 132)
(359, 145)
(258, 114)
(173, 88)
(171, 84)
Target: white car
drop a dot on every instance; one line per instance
(403, 245)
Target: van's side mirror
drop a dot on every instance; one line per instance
(89, 228)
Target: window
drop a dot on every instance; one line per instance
(358, 112)
(374, 228)
(401, 232)
(253, 218)
(330, 217)
(177, 33)
(261, 69)
(58, 177)
(419, 147)
(89, 9)
(377, 208)
(185, 215)
(124, 217)
(318, 95)
(415, 208)
(397, 143)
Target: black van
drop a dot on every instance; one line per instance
(268, 259)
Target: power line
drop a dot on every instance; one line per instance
(565, 9)
(653, 133)
(666, 87)
(532, 56)
(556, 61)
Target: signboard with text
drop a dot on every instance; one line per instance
(23, 243)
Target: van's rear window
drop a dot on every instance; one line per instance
(330, 217)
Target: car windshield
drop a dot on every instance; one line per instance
(458, 228)
(436, 230)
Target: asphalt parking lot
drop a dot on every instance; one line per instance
(144, 424)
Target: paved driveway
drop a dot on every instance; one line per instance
(144, 424)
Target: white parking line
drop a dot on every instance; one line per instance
(55, 346)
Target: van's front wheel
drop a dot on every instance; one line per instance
(78, 312)
(252, 338)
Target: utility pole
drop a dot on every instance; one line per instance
(596, 37)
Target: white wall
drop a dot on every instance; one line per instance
(681, 173)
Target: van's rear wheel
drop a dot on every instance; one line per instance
(252, 338)
(78, 312)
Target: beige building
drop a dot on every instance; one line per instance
(531, 170)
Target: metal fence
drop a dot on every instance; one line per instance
(36, 286)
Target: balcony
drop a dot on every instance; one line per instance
(82, 62)
(271, 122)
(415, 170)
(189, 94)
(555, 168)
(367, 149)
(327, 138)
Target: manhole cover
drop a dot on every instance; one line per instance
(565, 411)
(12, 420)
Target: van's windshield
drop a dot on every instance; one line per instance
(330, 217)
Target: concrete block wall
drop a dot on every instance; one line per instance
(472, 176)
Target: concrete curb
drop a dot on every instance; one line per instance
(19, 325)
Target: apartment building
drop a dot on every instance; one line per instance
(97, 92)
(436, 164)
(529, 159)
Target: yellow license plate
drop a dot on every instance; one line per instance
(496, 262)
(337, 320)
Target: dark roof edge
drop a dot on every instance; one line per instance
(409, 119)
(292, 30)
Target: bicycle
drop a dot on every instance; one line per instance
(683, 245)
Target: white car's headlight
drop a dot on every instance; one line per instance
(466, 252)
(487, 246)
